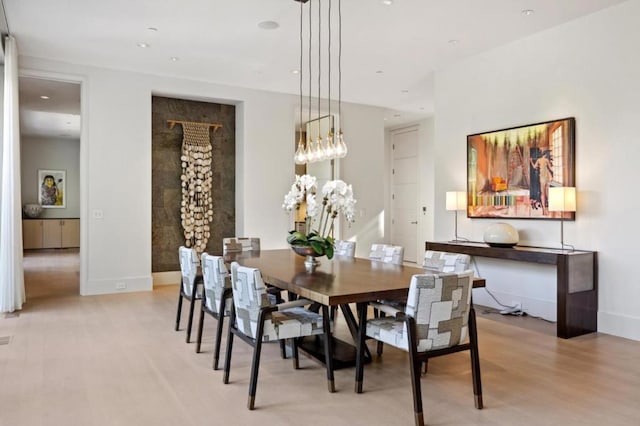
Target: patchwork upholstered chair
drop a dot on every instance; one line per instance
(438, 320)
(344, 248)
(256, 321)
(441, 261)
(190, 286)
(387, 253)
(240, 244)
(216, 299)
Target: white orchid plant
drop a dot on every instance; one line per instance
(337, 197)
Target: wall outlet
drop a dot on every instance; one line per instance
(121, 286)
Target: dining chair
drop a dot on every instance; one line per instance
(240, 244)
(256, 321)
(438, 320)
(190, 285)
(344, 248)
(216, 299)
(387, 253)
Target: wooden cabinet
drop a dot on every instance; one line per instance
(50, 233)
(31, 234)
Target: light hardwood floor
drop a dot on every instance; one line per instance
(115, 360)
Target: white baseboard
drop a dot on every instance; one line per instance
(619, 325)
(166, 278)
(120, 285)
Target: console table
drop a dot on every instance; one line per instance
(577, 279)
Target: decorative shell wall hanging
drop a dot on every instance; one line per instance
(196, 209)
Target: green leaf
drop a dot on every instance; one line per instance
(317, 247)
(329, 251)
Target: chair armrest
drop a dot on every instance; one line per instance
(389, 310)
(293, 304)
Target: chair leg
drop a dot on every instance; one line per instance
(227, 355)
(283, 349)
(200, 325)
(380, 345)
(328, 348)
(255, 365)
(475, 360)
(179, 308)
(425, 366)
(415, 364)
(216, 349)
(362, 317)
(192, 306)
(294, 349)
(417, 392)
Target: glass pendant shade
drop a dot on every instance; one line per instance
(311, 155)
(330, 149)
(341, 147)
(320, 155)
(300, 156)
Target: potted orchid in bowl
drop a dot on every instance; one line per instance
(317, 239)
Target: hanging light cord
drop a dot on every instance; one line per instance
(340, 62)
(301, 47)
(319, 56)
(329, 67)
(310, 71)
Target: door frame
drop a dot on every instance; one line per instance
(84, 159)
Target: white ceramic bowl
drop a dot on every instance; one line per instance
(501, 234)
(32, 210)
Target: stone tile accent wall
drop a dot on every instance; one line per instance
(166, 169)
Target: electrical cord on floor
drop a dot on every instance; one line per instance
(519, 312)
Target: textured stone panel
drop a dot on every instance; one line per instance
(166, 170)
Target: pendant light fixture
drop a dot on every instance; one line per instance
(333, 146)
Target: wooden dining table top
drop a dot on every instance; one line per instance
(336, 281)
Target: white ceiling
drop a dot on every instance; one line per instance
(220, 41)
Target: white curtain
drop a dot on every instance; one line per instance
(11, 270)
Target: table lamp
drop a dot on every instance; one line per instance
(456, 200)
(562, 199)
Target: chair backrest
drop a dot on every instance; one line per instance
(249, 295)
(442, 261)
(387, 253)
(188, 267)
(440, 304)
(344, 248)
(214, 274)
(240, 244)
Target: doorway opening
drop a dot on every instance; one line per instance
(50, 135)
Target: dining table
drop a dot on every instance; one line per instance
(337, 282)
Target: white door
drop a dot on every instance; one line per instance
(404, 191)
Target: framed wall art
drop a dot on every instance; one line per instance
(52, 187)
(510, 171)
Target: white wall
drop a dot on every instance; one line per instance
(588, 69)
(51, 153)
(117, 172)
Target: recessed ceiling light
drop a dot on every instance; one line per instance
(153, 29)
(295, 71)
(44, 97)
(405, 91)
(528, 12)
(68, 122)
(387, 2)
(268, 25)
(174, 59)
(397, 115)
(454, 41)
(379, 72)
(143, 45)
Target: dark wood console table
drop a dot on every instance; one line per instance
(577, 279)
